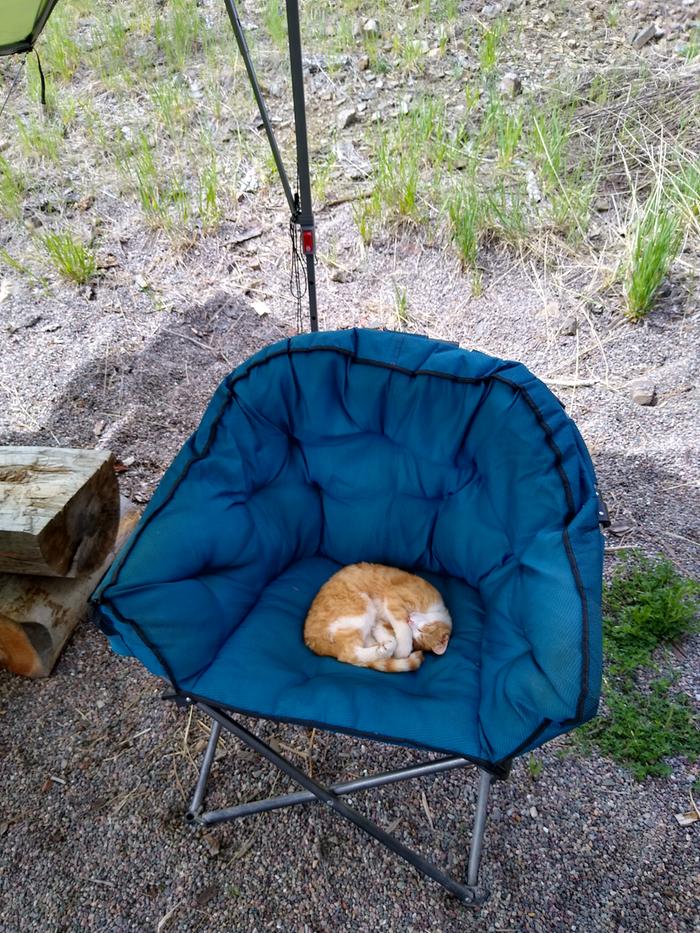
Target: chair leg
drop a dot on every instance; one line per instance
(485, 781)
(199, 791)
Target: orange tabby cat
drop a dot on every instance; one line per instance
(375, 616)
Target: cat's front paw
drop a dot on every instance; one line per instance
(386, 648)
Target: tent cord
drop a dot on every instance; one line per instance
(43, 79)
(297, 277)
(12, 86)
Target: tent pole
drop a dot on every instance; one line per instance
(306, 216)
(259, 100)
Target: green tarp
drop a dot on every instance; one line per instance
(21, 21)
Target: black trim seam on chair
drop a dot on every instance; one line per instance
(289, 351)
(498, 768)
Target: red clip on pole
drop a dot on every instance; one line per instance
(307, 242)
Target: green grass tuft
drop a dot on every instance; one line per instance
(465, 214)
(12, 190)
(642, 730)
(70, 257)
(647, 605)
(656, 239)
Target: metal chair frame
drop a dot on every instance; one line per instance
(470, 894)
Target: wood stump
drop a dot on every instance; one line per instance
(38, 614)
(59, 510)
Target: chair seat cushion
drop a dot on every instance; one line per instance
(264, 668)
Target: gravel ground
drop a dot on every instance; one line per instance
(97, 771)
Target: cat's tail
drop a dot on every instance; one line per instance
(395, 665)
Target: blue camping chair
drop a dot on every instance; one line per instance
(332, 448)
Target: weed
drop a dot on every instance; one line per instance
(401, 306)
(179, 32)
(275, 22)
(646, 605)
(60, 52)
(210, 212)
(173, 103)
(73, 259)
(13, 189)
(506, 215)
(363, 214)
(550, 134)
(39, 139)
(655, 240)
(692, 50)
(464, 212)
(397, 177)
(534, 766)
(613, 15)
(684, 190)
(488, 47)
(642, 730)
(509, 129)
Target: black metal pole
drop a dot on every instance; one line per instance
(262, 107)
(306, 216)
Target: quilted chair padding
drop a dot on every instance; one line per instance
(338, 447)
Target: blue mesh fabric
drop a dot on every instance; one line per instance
(337, 447)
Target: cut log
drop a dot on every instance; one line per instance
(38, 614)
(59, 510)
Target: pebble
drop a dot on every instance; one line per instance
(643, 393)
(355, 165)
(646, 35)
(511, 84)
(371, 27)
(569, 326)
(347, 117)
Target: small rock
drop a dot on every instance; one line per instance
(370, 27)
(356, 166)
(211, 841)
(363, 63)
(534, 813)
(340, 274)
(32, 223)
(602, 205)
(646, 35)
(569, 327)
(533, 189)
(261, 308)
(511, 85)
(99, 427)
(347, 117)
(643, 393)
(206, 895)
(620, 528)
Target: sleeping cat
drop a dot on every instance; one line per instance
(375, 616)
